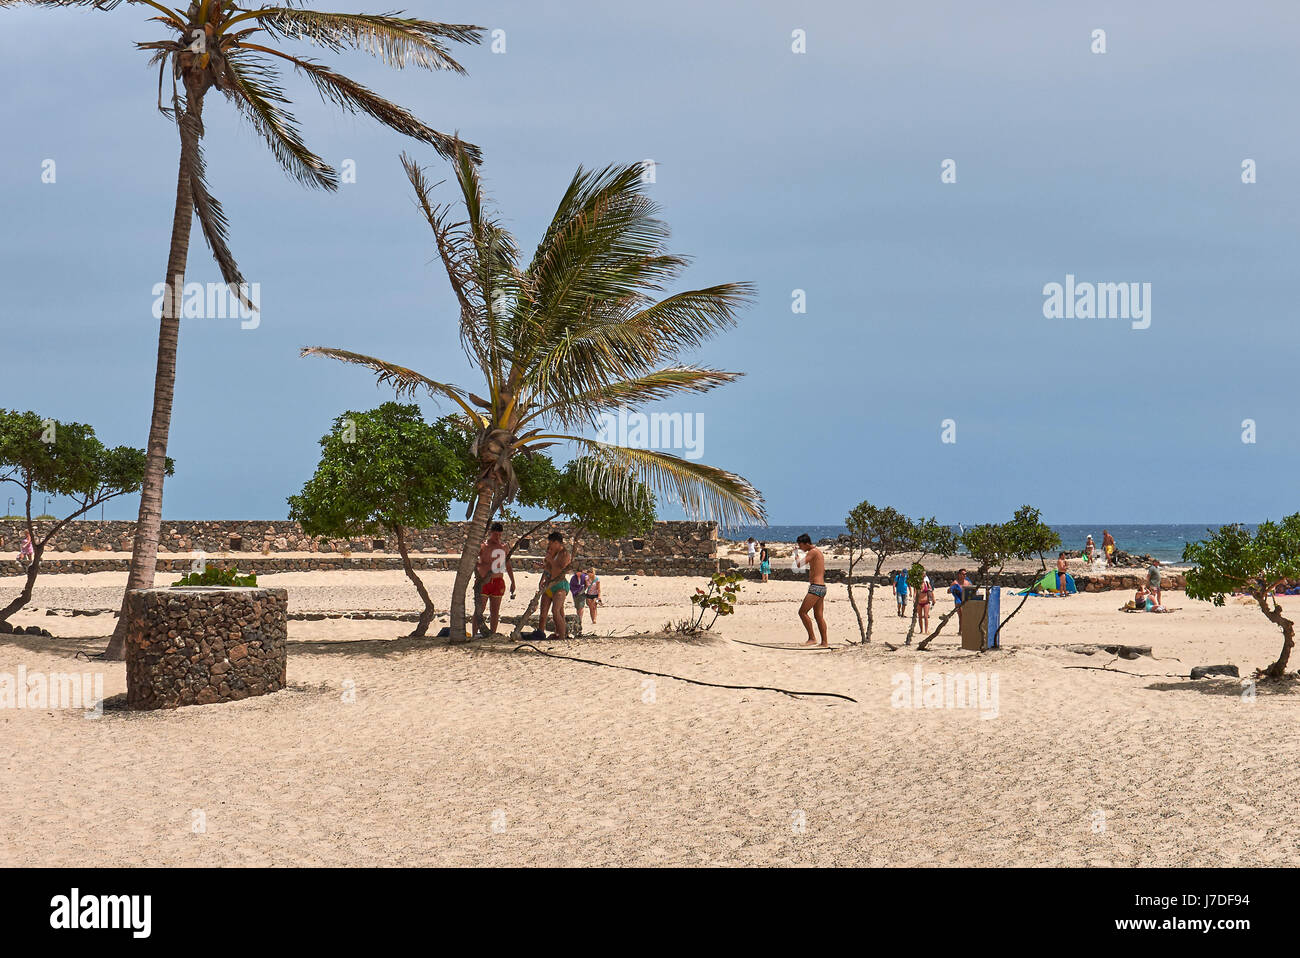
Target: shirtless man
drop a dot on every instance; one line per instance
(815, 600)
(493, 566)
(556, 583)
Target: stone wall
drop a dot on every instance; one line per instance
(665, 539)
(942, 578)
(200, 646)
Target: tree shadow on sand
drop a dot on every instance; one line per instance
(1229, 687)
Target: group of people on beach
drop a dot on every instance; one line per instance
(1108, 549)
(764, 557)
(494, 566)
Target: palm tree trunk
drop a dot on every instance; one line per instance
(144, 549)
(475, 534)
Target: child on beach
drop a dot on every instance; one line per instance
(578, 589)
(765, 562)
(26, 553)
(749, 548)
(593, 593)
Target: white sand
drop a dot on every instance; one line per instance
(484, 755)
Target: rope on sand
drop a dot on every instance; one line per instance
(665, 675)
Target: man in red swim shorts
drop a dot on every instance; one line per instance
(493, 566)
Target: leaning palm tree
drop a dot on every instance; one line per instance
(582, 330)
(213, 44)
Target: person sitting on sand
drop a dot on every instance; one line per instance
(815, 600)
(900, 593)
(765, 562)
(554, 567)
(493, 566)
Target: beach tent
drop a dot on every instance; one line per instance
(1049, 583)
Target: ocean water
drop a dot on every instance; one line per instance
(1164, 542)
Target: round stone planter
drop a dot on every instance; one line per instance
(198, 646)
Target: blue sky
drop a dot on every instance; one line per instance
(817, 171)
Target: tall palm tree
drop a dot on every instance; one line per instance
(213, 44)
(581, 330)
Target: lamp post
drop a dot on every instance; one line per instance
(10, 510)
(47, 506)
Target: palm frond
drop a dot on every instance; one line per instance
(351, 96)
(704, 492)
(598, 350)
(649, 387)
(256, 91)
(211, 214)
(394, 39)
(406, 382)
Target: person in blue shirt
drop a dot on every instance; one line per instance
(900, 593)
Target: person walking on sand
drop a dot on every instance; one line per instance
(578, 589)
(815, 600)
(493, 567)
(26, 552)
(556, 587)
(765, 562)
(750, 548)
(900, 593)
(1108, 547)
(1089, 550)
(593, 594)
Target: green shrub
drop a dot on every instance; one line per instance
(214, 576)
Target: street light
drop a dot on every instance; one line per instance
(10, 511)
(47, 506)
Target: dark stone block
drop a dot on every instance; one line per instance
(1204, 671)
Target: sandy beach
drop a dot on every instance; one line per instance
(389, 751)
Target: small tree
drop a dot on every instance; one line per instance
(885, 533)
(993, 545)
(720, 598)
(382, 469)
(43, 456)
(1233, 560)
